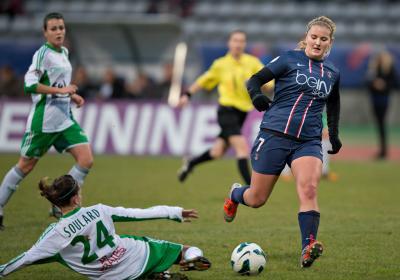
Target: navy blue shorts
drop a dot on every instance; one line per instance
(270, 152)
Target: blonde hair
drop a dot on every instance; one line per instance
(321, 21)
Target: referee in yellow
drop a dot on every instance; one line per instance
(230, 73)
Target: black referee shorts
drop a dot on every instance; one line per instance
(231, 121)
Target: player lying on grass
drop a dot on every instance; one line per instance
(85, 241)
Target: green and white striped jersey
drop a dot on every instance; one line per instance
(49, 112)
(85, 241)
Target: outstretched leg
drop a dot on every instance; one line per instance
(218, 149)
(253, 196)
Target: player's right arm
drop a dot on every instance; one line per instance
(207, 81)
(274, 69)
(45, 250)
(36, 77)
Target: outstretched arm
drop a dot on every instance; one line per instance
(43, 251)
(121, 214)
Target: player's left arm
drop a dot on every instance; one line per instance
(121, 214)
(333, 114)
(43, 251)
(78, 100)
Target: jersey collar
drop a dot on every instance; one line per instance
(50, 46)
(70, 213)
(312, 59)
(232, 58)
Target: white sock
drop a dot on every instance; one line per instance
(326, 145)
(286, 171)
(10, 184)
(79, 173)
(191, 253)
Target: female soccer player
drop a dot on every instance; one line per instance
(290, 131)
(230, 73)
(50, 122)
(84, 239)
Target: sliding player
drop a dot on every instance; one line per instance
(84, 239)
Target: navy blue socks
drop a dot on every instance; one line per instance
(308, 222)
(237, 194)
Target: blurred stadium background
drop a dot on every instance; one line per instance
(122, 53)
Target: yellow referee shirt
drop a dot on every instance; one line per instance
(231, 76)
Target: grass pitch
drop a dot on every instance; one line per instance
(360, 224)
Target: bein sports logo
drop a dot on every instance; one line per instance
(319, 87)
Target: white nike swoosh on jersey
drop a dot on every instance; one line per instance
(299, 64)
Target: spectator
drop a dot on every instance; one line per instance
(183, 8)
(112, 86)
(10, 83)
(11, 8)
(86, 88)
(143, 87)
(165, 84)
(380, 81)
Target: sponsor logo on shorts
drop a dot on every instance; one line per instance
(107, 262)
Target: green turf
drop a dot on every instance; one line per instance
(359, 224)
(368, 135)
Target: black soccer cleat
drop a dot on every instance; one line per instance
(184, 171)
(1, 223)
(198, 263)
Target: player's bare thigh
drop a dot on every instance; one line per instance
(239, 144)
(260, 189)
(82, 155)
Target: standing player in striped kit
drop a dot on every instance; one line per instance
(85, 241)
(50, 122)
(290, 132)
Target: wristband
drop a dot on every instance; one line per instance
(188, 94)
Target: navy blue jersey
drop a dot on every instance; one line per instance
(302, 88)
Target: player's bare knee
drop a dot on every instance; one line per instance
(309, 191)
(26, 166)
(216, 153)
(26, 169)
(86, 162)
(256, 202)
